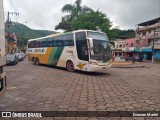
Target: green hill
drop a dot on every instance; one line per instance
(126, 33)
(25, 33)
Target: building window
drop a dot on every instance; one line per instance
(149, 42)
(131, 44)
(127, 44)
(143, 34)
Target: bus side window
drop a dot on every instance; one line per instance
(33, 44)
(58, 41)
(38, 44)
(68, 40)
(50, 42)
(43, 43)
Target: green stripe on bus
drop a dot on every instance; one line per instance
(55, 55)
(51, 57)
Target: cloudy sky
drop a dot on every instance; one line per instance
(45, 14)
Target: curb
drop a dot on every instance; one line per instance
(128, 66)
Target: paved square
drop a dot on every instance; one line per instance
(45, 88)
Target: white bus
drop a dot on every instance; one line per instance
(85, 50)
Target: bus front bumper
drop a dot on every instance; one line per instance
(98, 68)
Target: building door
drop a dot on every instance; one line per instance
(149, 56)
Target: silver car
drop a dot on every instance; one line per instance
(11, 59)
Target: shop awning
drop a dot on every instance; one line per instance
(143, 50)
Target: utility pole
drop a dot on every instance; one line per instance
(153, 48)
(154, 40)
(9, 22)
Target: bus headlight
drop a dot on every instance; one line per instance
(93, 63)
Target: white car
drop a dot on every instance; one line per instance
(23, 54)
(19, 56)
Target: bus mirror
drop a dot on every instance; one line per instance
(90, 42)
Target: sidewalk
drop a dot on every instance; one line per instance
(129, 65)
(145, 63)
(150, 61)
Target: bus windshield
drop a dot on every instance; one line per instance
(97, 35)
(101, 50)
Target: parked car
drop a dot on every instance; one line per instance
(19, 56)
(23, 55)
(11, 59)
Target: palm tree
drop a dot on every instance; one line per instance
(75, 10)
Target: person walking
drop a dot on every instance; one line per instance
(140, 58)
(133, 59)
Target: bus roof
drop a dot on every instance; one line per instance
(39, 38)
(59, 34)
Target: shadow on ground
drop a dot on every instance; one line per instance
(78, 71)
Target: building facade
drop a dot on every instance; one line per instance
(148, 39)
(123, 48)
(129, 48)
(11, 42)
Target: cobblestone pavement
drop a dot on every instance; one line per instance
(46, 88)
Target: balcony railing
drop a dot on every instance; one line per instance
(157, 25)
(149, 36)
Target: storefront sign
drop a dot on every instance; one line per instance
(147, 50)
(128, 49)
(131, 48)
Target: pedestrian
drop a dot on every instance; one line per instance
(128, 58)
(133, 59)
(140, 58)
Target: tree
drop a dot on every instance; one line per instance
(91, 20)
(83, 17)
(74, 11)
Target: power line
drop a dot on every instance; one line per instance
(5, 13)
(13, 5)
(16, 11)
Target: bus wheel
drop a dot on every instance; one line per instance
(37, 62)
(70, 66)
